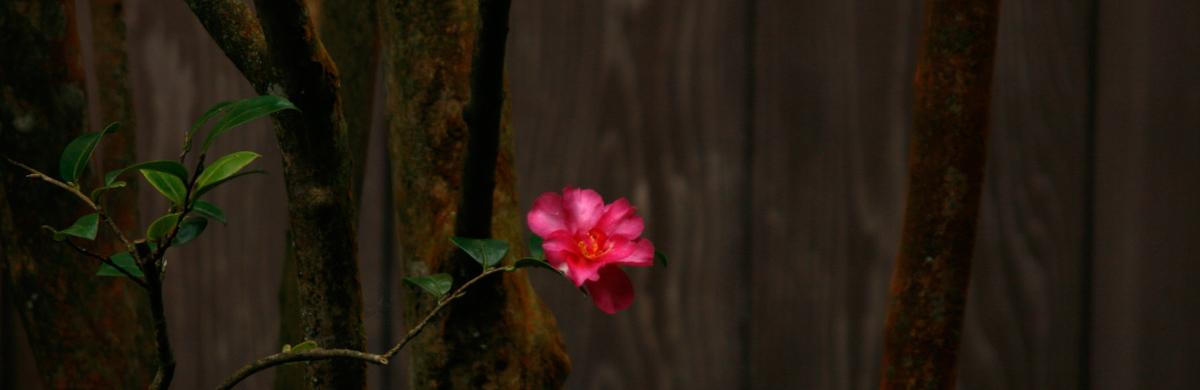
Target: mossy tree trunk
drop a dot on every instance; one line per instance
(500, 335)
(85, 331)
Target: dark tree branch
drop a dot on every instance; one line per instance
(232, 24)
(166, 359)
(923, 329)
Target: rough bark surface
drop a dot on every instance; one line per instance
(501, 335)
(923, 328)
(348, 31)
(321, 211)
(83, 329)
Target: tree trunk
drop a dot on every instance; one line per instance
(85, 330)
(928, 294)
(500, 335)
(347, 29)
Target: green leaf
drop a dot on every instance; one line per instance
(436, 284)
(660, 258)
(535, 246)
(84, 227)
(310, 344)
(123, 260)
(209, 210)
(75, 157)
(244, 111)
(189, 229)
(100, 191)
(224, 168)
(204, 190)
(169, 185)
(486, 251)
(286, 347)
(532, 262)
(208, 115)
(161, 227)
(164, 166)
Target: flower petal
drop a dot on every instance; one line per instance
(582, 208)
(641, 256)
(613, 291)
(546, 217)
(619, 219)
(619, 248)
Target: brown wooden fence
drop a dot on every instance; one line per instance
(765, 143)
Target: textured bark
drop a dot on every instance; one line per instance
(317, 168)
(928, 295)
(348, 31)
(500, 335)
(85, 330)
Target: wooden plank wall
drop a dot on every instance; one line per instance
(765, 142)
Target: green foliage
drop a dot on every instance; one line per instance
(164, 166)
(209, 210)
(123, 260)
(310, 344)
(84, 227)
(531, 262)
(535, 247)
(660, 258)
(167, 184)
(243, 111)
(436, 284)
(486, 251)
(189, 229)
(100, 191)
(208, 115)
(161, 227)
(75, 157)
(223, 169)
(203, 190)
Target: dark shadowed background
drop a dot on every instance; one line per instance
(765, 143)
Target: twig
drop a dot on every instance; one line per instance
(441, 303)
(108, 261)
(298, 356)
(322, 354)
(36, 174)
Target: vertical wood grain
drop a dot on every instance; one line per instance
(834, 98)
(1023, 320)
(1147, 189)
(642, 100)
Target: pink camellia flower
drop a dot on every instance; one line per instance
(587, 240)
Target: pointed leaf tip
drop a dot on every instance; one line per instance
(486, 251)
(77, 153)
(84, 227)
(436, 284)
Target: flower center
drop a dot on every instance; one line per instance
(594, 244)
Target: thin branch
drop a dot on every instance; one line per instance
(36, 174)
(322, 354)
(441, 303)
(108, 261)
(298, 356)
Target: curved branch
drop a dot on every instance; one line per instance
(232, 24)
(298, 356)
